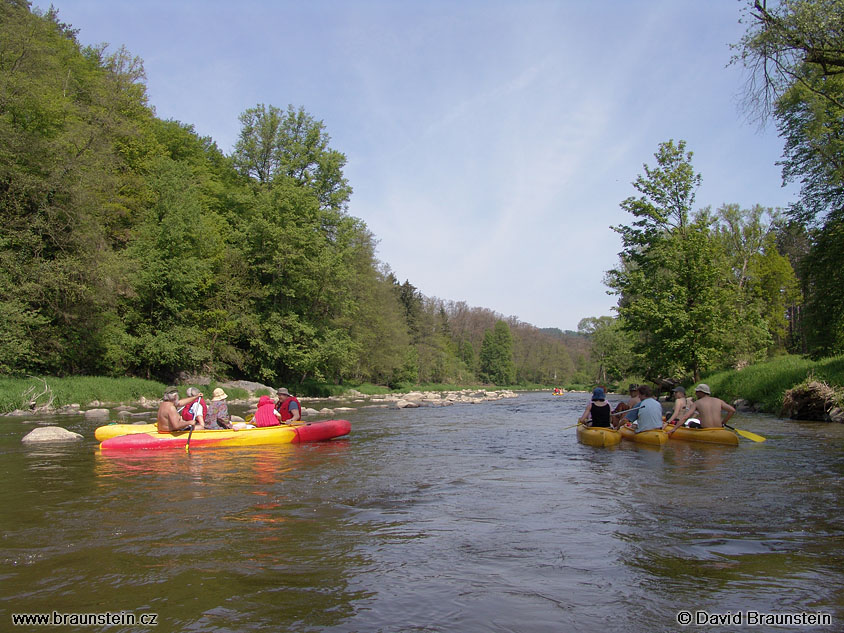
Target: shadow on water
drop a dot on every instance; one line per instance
(466, 518)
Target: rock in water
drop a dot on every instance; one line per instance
(50, 434)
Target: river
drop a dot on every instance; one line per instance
(486, 517)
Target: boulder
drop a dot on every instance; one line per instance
(50, 434)
(836, 414)
(309, 411)
(407, 404)
(96, 414)
(743, 405)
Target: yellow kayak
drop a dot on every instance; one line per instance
(103, 433)
(709, 436)
(597, 435)
(280, 434)
(654, 437)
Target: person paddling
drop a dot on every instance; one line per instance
(649, 414)
(682, 404)
(598, 410)
(196, 409)
(708, 410)
(169, 419)
(618, 416)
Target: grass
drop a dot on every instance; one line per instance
(766, 383)
(17, 393)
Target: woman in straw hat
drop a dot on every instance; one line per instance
(218, 411)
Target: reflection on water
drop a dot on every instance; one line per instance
(465, 518)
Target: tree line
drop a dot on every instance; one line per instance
(701, 288)
(130, 245)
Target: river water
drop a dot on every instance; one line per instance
(467, 518)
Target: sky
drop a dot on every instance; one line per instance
(489, 142)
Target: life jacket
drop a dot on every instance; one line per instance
(264, 415)
(283, 407)
(187, 415)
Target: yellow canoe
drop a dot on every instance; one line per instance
(708, 436)
(654, 437)
(280, 434)
(597, 435)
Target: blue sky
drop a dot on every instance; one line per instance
(489, 143)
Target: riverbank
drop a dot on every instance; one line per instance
(777, 385)
(134, 397)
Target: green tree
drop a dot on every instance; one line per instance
(669, 272)
(795, 52)
(496, 356)
(612, 347)
(291, 144)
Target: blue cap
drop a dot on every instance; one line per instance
(598, 394)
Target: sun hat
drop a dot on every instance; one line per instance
(264, 400)
(598, 394)
(680, 388)
(703, 388)
(282, 391)
(218, 394)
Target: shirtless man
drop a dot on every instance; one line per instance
(168, 416)
(618, 416)
(708, 410)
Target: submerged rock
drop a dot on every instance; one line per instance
(96, 413)
(50, 434)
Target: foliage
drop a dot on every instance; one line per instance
(130, 245)
(795, 52)
(766, 383)
(612, 347)
(669, 273)
(496, 356)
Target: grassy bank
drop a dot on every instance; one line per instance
(19, 393)
(766, 383)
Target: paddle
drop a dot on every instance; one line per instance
(747, 434)
(187, 446)
(571, 427)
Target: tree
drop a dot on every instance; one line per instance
(795, 52)
(668, 278)
(785, 41)
(277, 144)
(496, 356)
(612, 347)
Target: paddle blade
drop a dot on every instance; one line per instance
(749, 435)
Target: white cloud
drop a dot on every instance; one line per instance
(489, 143)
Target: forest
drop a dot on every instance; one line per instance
(132, 246)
